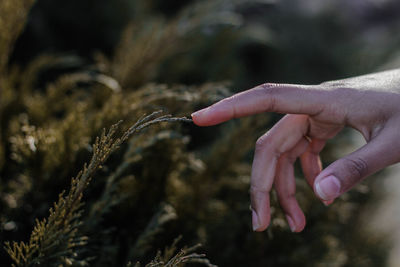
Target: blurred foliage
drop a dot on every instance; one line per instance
(12, 21)
(80, 67)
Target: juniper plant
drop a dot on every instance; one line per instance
(55, 239)
(169, 257)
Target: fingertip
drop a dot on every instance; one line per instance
(327, 202)
(327, 188)
(261, 229)
(301, 224)
(206, 117)
(261, 213)
(260, 220)
(198, 117)
(296, 223)
(291, 223)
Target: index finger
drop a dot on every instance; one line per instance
(280, 98)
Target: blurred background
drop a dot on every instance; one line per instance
(71, 68)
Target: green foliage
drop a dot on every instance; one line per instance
(169, 257)
(55, 239)
(171, 180)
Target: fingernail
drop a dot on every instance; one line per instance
(201, 112)
(291, 223)
(256, 224)
(328, 188)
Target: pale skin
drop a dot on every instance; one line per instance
(315, 113)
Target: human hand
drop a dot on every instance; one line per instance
(316, 113)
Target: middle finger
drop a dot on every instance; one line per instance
(280, 139)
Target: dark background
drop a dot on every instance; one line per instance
(287, 41)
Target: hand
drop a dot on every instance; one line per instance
(316, 113)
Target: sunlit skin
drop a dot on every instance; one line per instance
(315, 113)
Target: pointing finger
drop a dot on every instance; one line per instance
(280, 98)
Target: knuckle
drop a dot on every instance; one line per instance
(262, 142)
(357, 167)
(232, 103)
(270, 90)
(255, 189)
(285, 191)
(227, 100)
(269, 86)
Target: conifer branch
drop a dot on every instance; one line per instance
(171, 258)
(55, 239)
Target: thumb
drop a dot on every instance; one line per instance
(346, 172)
